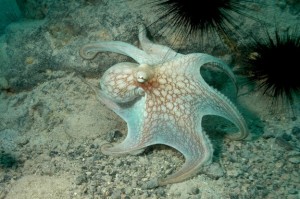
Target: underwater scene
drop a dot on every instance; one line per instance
(149, 99)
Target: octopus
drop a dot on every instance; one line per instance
(163, 99)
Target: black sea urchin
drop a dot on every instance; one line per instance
(273, 65)
(207, 16)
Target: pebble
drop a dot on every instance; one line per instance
(293, 191)
(293, 153)
(279, 165)
(118, 163)
(286, 137)
(194, 191)
(128, 190)
(283, 143)
(214, 171)
(294, 160)
(296, 132)
(3, 83)
(160, 191)
(116, 194)
(268, 135)
(80, 179)
(153, 183)
(233, 173)
(88, 173)
(114, 135)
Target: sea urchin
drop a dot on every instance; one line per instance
(273, 65)
(208, 16)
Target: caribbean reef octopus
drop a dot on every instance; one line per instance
(163, 98)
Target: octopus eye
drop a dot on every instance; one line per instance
(142, 76)
(144, 73)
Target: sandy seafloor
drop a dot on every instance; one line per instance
(52, 125)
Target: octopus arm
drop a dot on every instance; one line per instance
(90, 51)
(200, 59)
(132, 144)
(221, 106)
(194, 145)
(159, 52)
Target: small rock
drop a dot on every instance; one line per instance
(294, 160)
(23, 141)
(268, 135)
(3, 83)
(88, 173)
(233, 173)
(113, 136)
(128, 190)
(97, 157)
(116, 194)
(293, 191)
(295, 179)
(194, 191)
(296, 132)
(80, 179)
(160, 192)
(284, 144)
(279, 165)
(150, 184)
(293, 153)
(286, 137)
(118, 163)
(214, 171)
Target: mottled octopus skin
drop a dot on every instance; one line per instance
(163, 99)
